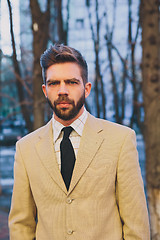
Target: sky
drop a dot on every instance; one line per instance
(5, 40)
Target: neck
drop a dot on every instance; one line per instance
(69, 122)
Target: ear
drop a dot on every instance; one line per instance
(44, 90)
(88, 86)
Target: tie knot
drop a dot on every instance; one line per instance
(67, 131)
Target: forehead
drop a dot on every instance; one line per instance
(63, 71)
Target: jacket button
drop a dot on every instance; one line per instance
(69, 200)
(69, 231)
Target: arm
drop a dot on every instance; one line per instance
(130, 192)
(22, 215)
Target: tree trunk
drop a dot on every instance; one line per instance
(40, 28)
(98, 69)
(98, 82)
(132, 46)
(109, 45)
(96, 89)
(24, 109)
(114, 84)
(124, 62)
(62, 25)
(151, 95)
(123, 102)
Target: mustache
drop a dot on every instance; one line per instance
(63, 98)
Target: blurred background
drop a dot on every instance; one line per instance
(120, 40)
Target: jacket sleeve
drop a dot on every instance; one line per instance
(130, 192)
(22, 217)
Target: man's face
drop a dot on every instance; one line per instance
(65, 90)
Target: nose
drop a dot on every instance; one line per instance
(63, 90)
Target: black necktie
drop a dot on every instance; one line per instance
(67, 156)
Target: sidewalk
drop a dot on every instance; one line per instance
(4, 232)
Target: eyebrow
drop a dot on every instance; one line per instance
(69, 79)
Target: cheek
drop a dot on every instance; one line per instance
(51, 95)
(79, 94)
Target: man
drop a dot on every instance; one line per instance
(86, 185)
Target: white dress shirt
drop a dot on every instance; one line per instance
(75, 135)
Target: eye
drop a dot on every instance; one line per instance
(72, 82)
(53, 83)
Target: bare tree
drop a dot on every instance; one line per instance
(62, 24)
(124, 63)
(129, 68)
(40, 29)
(150, 20)
(99, 85)
(132, 42)
(19, 80)
(109, 39)
(31, 97)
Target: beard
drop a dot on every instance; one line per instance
(65, 113)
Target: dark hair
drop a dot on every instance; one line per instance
(59, 53)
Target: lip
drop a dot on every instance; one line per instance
(64, 104)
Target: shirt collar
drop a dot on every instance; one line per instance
(77, 125)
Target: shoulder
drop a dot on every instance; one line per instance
(108, 124)
(33, 136)
(109, 128)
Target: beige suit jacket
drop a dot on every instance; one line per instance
(105, 200)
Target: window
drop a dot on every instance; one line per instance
(79, 23)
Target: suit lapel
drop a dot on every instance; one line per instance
(45, 150)
(90, 143)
